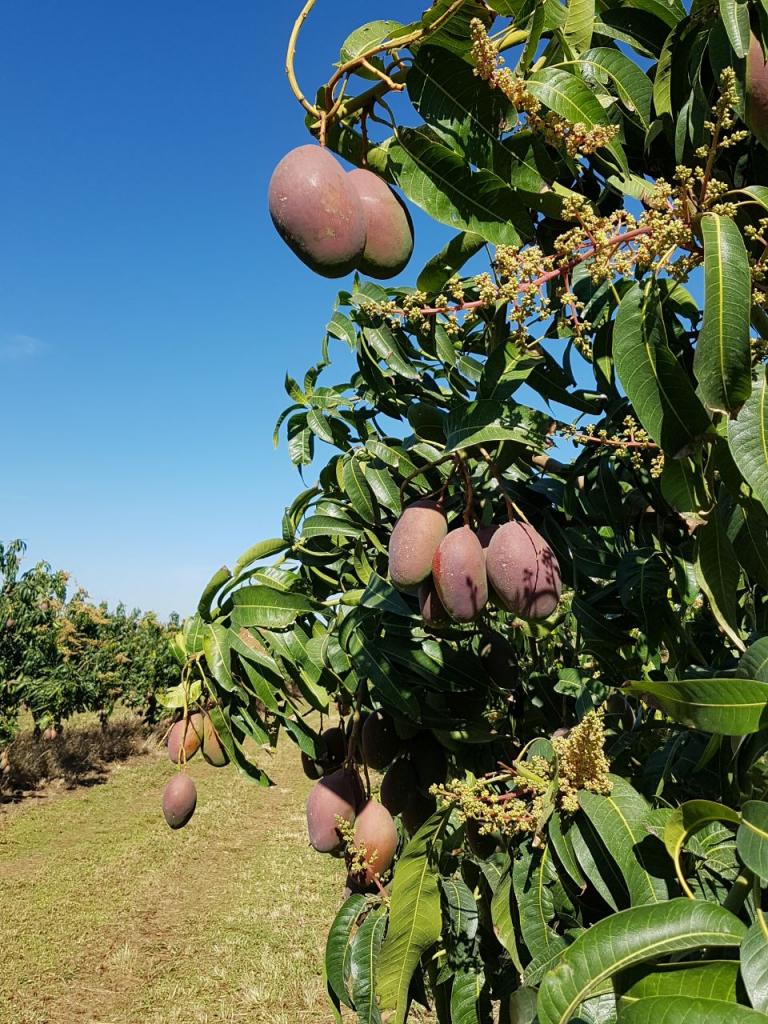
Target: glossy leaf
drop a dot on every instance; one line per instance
(415, 919)
(621, 822)
(655, 383)
(466, 993)
(714, 979)
(688, 1009)
(366, 946)
(722, 363)
(444, 186)
(336, 947)
(730, 707)
(752, 837)
(748, 440)
(268, 608)
(718, 573)
(627, 938)
(452, 257)
(754, 965)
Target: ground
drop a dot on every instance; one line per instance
(109, 917)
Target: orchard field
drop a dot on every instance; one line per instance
(109, 918)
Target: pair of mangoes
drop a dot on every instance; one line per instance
(455, 571)
(340, 796)
(337, 222)
(185, 738)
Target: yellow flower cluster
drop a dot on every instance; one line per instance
(581, 761)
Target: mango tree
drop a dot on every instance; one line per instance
(531, 576)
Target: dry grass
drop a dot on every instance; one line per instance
(79, 756)
(108, 917)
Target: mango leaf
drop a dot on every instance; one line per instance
(522, 1006)
(621, 822)
(358, 489)
(687, 1009)
(365, 38)
(655, 383)
(722, 362)
(753, 664)
(268, 608)
(597, 866)
(452, 257)
(729, 707)
(735, 15)
(467, 114)
(336, 948)
(627, 938)
(487, 420)
(578, 25)
(443, 185)
(466, 994)
(632, 85)
(211, 589)
(258, 552)
(571, 98)
(501, 916)
(718, 574)
(687, 819)
(218, 654)
(714, 979)
(754, 965)
(532, 876)
(366, 946)
(382, 596)
(415, 919)
(752, 837)
(748, 440)
(748, 533)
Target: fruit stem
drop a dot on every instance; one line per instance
(496, 472)
(291, 55)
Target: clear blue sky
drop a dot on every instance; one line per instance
(148, 310)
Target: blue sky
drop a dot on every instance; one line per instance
(148, 310)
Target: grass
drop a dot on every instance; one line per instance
(108, 917)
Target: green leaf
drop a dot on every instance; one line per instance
(501, 916)
(718, 574)
(329, 526)
(632, 85)
(655, 383)
(748, 440)
(752, 837)
(466, 113)
(365, 38)
(722, 363)
(358, 489)
(445, 187)
(257, 553)
(578, 25)
(366, 946)
(688, 1010)
(748, 533)
(217, 654)
(571, 98)
(728, 707)
(754, 965)
(268, 608)
(336, 947)
(212, 587)
(522, 1006)
(621, 822)
(753, 663)
(415, 919)
(532, 877)
(381, 595)
(735, 15)
(627, 938)
(487, 420)
(452, 257)
(689, 818)
(714, 979)
(466, 993)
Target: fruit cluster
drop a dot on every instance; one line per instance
(456, 572)
(337, 222)
(342, 818)
(185, 737)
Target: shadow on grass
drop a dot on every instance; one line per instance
(79, 756)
